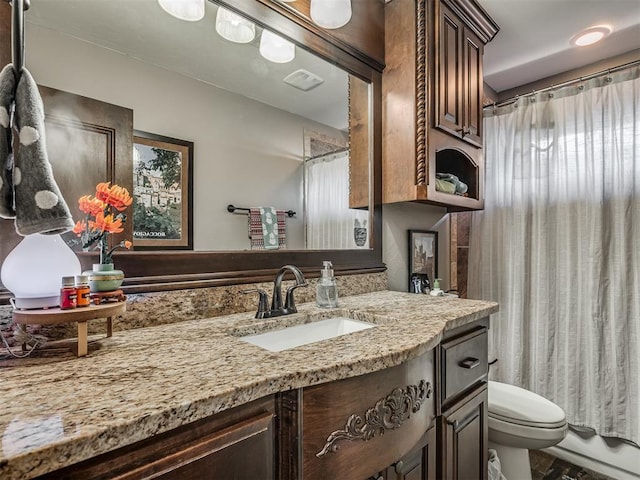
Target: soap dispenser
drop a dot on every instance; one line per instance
(327, 289)
(436, 292)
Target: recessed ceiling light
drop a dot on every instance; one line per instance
(590, 35)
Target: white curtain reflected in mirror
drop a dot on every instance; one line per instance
(330, 223)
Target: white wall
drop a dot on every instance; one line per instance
(236, 161)
(396, 220)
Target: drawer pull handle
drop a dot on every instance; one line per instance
(469, 363)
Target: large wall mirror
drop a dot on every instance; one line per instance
(299, 134)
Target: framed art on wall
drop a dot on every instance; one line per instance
(423, 260)
(162, 192)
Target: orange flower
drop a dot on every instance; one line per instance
(127, 244)
(90, 205)
(79, 228)
(107, 223)
(116, 196)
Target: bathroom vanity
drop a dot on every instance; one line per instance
(404, 399)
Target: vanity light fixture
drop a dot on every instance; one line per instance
(189, 10)
(590, 35)
(331, 13)
(233, 27)
(275, 48)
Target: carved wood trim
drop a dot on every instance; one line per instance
(388, 413)
(421, 92)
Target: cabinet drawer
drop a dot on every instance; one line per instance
(464, 362)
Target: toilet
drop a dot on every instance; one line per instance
(520, 420)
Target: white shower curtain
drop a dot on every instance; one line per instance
(330, 221)
(558, 246)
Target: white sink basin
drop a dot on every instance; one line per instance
(291, 337)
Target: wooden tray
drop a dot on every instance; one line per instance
(81, 315)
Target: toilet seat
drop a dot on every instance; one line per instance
(509, 403)
(522, 419)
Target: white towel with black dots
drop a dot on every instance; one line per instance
(40, 207)
(7, 90)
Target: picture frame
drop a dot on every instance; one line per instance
(423, 260)
(162, 192)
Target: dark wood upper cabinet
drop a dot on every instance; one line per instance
(432, 100)
(459, 86)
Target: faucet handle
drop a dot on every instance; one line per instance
(263, 302)
(289, 303)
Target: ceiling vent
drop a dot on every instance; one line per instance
(303, 80)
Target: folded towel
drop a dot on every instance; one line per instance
(461, 187)
(257, 235)
(445, 186)
(7, 90)
(40, 207)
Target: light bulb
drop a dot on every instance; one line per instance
(233, 27)
(34, 269)
(189, 10)
(331, 13)
(590, 35)
(275, 48)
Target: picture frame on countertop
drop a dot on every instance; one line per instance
(423, 260)
(162, 192)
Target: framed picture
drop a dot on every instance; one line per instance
(162, 192)
(423, 260)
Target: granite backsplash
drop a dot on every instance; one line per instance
(160, 308)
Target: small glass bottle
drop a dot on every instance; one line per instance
(68, 294)
(83, 291)
(327, 288)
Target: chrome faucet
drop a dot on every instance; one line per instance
(277, 308)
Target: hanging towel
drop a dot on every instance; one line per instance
(40, 207)
(7, 90)
(260, 233)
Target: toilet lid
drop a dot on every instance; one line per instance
(517, 405)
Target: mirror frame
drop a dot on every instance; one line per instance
(148, 271)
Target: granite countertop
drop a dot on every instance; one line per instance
(147, 381)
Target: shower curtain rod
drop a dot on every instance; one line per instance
(608, 71)
(335, 152)
(18, 8)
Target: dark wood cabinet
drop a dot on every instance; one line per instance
(464, 438)
(237, 444)
(420, 464)
(462, 422)
(432, 100)
(459, 83)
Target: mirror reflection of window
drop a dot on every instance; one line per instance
(330, 222)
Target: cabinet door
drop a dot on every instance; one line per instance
(420, 464)
(464, 439)
(473, 88)
(449, 91)
(242, 452)
(237, 444)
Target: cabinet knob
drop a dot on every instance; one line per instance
(454, 424)
(399, 465)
